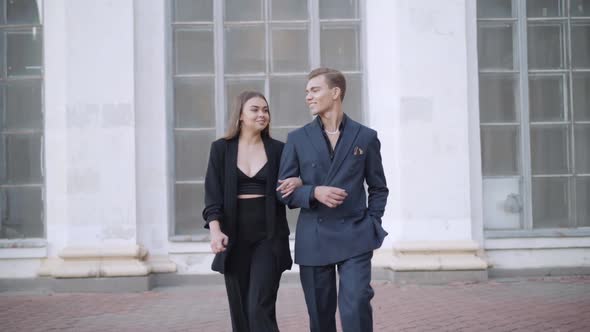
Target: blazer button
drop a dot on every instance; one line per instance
(313, 165)
(320, 219)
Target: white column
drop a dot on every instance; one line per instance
(419, 102)
(100, 122)
(154, 201)
(91, 149)
(56, 202)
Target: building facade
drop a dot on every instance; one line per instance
(482, 110)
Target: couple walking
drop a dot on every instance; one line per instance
(321, 169)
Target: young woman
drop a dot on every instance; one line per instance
(248, 225)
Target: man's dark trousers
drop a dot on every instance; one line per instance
(354, 294)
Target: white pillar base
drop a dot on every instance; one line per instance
(91, 262)
(160, 264)
(431, 256)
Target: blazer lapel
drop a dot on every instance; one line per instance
(231, 180)
(314, 132)
(271, 160)
(271, 183)
(271, 180)
(231, 160)
(351, 130)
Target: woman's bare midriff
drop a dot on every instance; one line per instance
(248, 196)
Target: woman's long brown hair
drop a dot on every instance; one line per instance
(234, 126)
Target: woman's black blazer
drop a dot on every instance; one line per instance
(221, 192)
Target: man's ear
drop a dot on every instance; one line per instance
(336, 91)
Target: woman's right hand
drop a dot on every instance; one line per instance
(288, 185)
(218, 239)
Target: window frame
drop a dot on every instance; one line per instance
(5, 79)
(520, 47)
(313, 25)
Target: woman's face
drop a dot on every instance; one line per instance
(255, 116)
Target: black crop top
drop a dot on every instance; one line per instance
(255, 185)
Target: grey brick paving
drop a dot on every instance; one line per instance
(534, 304)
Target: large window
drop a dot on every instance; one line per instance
(223, 47)
(21, 120)
(534, 86)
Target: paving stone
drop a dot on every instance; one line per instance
(530, 304)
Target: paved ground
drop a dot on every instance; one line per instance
(534, 304)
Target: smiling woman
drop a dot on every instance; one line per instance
(247, 105)
(248, 226)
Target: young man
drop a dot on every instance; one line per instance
(336, 230)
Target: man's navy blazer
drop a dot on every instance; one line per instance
(329, 235)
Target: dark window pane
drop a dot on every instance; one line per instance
(494, 8)
(582, 201)
(340, 47)
(288, 10)
(498, 98)
(281, 133)
(500, 150)
(290, 49)
(194, 103)
(550, 202)
(22, 106)
(549, 146)
(545, 46)
(581, 96)
(496, 47)
(582, 148)
(191, 152)
(287, 99)
(21, 213)
(194, 51)
(189, 204)
(544, 8)
(581, 46)
(580, 7)
(353, 99)
(245, 49)
(22, 155)
(546, 98)
(24, 52)
(22, 12)
(243, 10)
(193, 10)
(338, 9)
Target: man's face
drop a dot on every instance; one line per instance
(319, 96)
